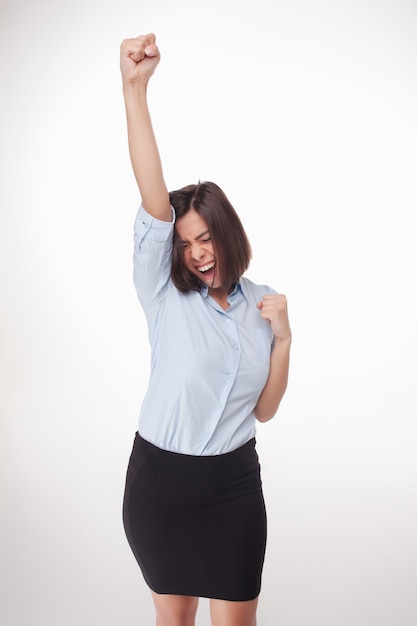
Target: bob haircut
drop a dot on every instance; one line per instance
(230, 242)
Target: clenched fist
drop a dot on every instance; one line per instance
(138, 58)
(273, 309)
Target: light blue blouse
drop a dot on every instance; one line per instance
(208, 366)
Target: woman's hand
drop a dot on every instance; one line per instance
(273, 309)
(138, 58)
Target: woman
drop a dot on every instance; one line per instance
(193, 508)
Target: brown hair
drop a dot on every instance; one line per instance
(231, 244)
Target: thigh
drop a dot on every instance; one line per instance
(172, 610)
(225, 613)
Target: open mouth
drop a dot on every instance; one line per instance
(205, 269)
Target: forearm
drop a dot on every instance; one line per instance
(277, 381)
(144, 152)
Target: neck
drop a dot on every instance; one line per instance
(220, 294)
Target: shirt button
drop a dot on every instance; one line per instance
(228, 320)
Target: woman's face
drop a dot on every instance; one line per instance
(198, 249)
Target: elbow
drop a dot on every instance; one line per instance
(264, 415)
(267, 407)
(264, 418)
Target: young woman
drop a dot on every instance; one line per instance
(193, 509)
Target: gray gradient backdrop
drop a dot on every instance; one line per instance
(305, 112)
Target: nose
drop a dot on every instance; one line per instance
(197, 251)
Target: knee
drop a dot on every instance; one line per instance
(183, 618)
(175, 610)
(179, 619)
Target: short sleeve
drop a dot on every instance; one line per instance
(152, 256)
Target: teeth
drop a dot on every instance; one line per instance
(206, 268)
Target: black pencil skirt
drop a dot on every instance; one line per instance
(196, 524)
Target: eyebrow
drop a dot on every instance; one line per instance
(206, 232)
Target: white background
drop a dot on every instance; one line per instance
(305, 113)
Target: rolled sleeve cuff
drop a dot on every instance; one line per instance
(154, 229)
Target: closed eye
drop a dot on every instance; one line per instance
(203, 238)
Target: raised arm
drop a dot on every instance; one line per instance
(138, 60)
(274, 310)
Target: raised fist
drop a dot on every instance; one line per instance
(138, 58)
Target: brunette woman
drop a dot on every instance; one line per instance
(194, 511)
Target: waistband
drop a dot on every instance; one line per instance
(150, 448)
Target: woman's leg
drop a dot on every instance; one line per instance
(175, 610)
(224, 613)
